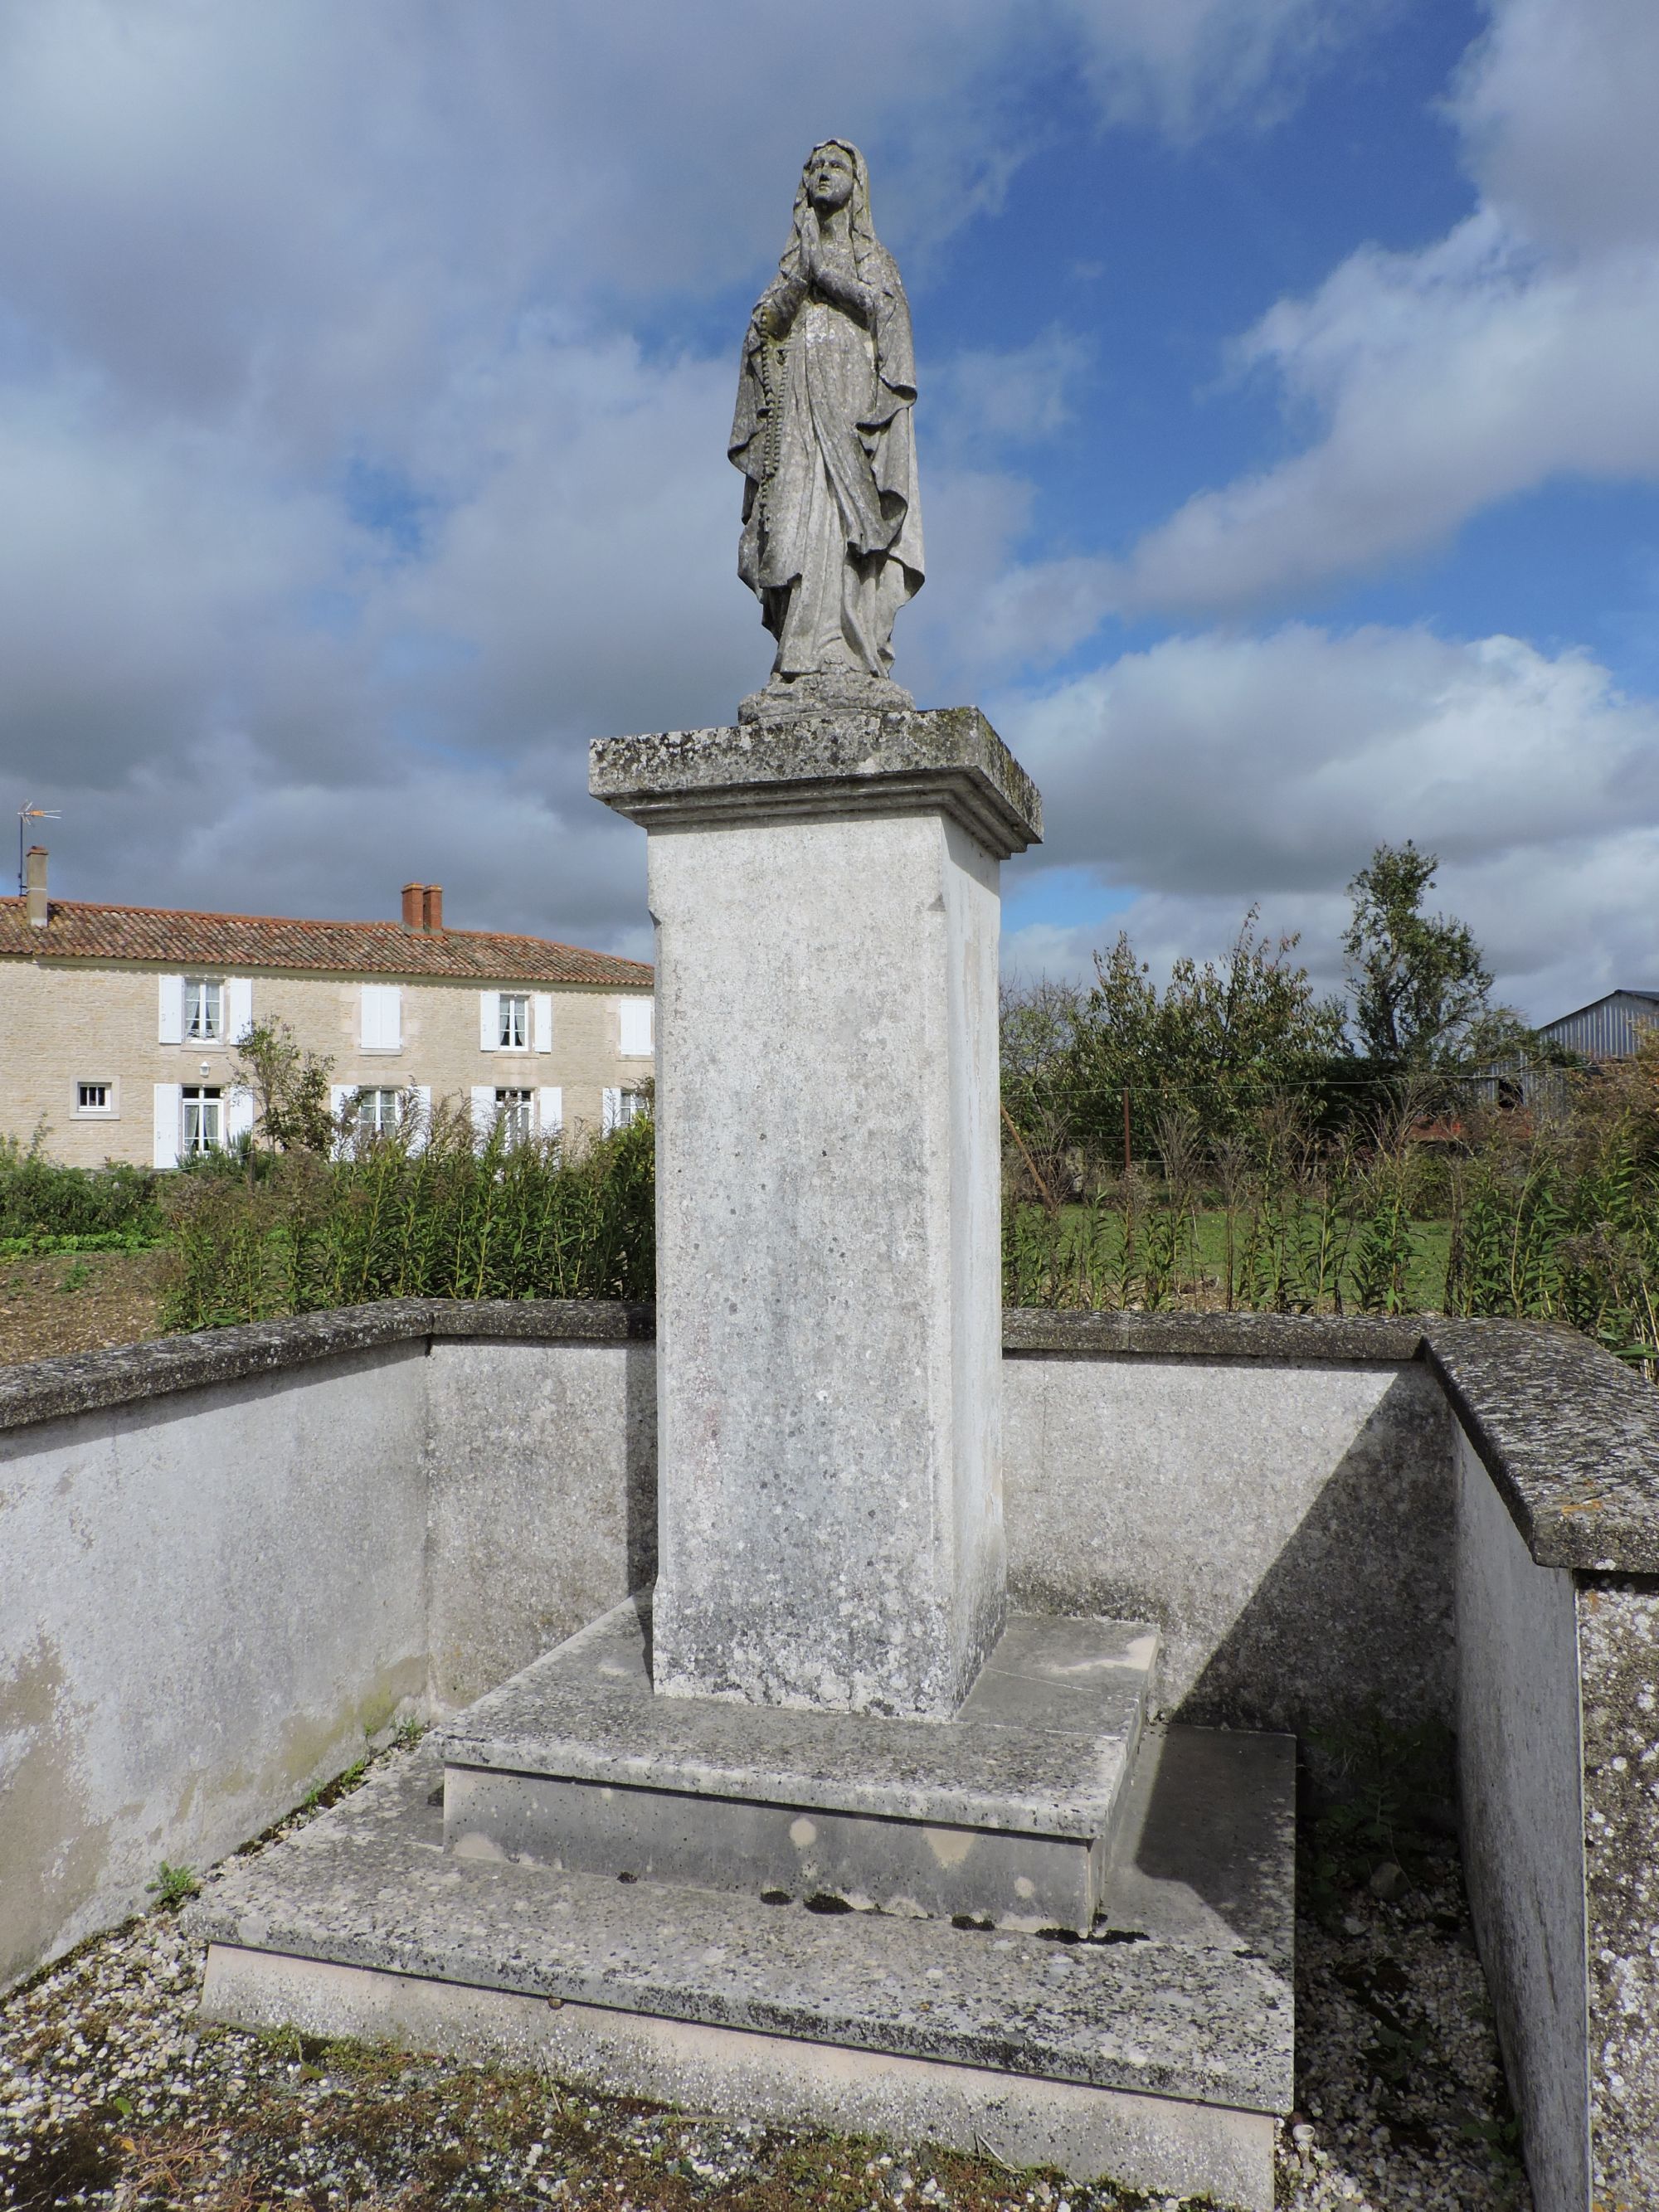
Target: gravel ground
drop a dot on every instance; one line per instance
(111, 2095)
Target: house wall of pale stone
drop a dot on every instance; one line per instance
(63, 1023)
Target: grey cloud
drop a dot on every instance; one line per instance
(1014, 397)
(1556, 104)
(1183, 65)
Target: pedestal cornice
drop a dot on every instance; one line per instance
(828, 765)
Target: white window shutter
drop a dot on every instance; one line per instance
(239, 1007)
(382, 1026)
(338, 1095)
(490, 1027)
(239, 1111)
(610, 1112)
(422, 1095)
(169, 1108)
(483, 1110)
(635, 1035)
(171, 1023)
(550, 1110)
(542, 1008)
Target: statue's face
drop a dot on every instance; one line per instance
(829, 179)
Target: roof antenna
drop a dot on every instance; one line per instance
(26, 814)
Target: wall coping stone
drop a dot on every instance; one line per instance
(86, 1382)
(1569, 1435)
(1320, 1339)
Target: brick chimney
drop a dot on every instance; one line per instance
(415, 906)
(433, 908)
(34, 881)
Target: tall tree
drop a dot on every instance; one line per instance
(1419, 984)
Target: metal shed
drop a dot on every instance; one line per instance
(1608, 1028)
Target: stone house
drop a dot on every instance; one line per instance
(117, 1023)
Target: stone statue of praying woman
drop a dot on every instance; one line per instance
(831, 541)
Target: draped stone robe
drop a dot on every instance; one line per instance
(823, 433)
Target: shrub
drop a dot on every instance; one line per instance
(41, 1202)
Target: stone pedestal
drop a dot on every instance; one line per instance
(825, 892)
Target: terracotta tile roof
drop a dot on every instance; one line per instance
(230, 942)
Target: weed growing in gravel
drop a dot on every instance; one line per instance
(173, 1886)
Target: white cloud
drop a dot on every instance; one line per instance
(1214, 770)
(1517, 348)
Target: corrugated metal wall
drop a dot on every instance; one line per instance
(1608, 1029)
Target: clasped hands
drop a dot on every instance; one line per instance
(827, 273)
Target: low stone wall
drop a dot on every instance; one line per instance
(205, 1600)
(1558, 1621)
(226, 1558)
(541, 1458)
(223, 1557)
(1278, 1498)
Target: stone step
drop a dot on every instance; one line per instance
(1004, 1813)
(1157, 2052)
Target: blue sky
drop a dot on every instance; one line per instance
(1289, 434)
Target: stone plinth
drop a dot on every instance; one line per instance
(1003, 1815)
(825, 893)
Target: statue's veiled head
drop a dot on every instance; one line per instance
(830, 176)
(834, 176)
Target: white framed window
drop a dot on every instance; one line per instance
(513, 1021)
(202, 1126)
(618, 1108)
(514, 1115)
(204, 1010)
(381, 1027)
(380, 1109)
(634, 1026)
(97, 1100)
